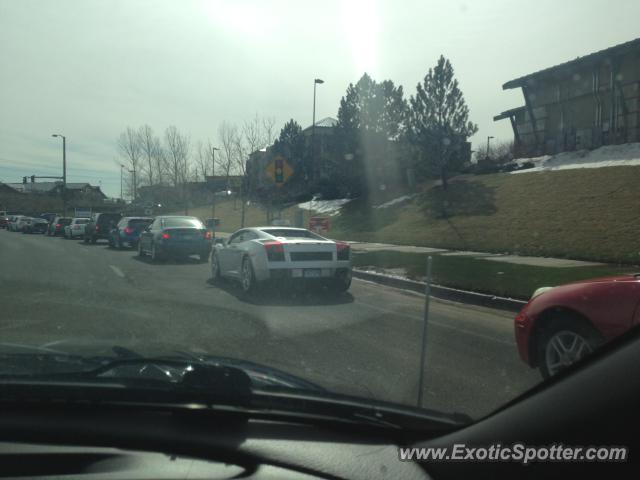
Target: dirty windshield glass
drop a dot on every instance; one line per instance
(487, 149)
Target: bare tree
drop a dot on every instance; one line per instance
(129, 148)
(228, 139)
(269, 131)
(178, 148)
(202, 163)
(149, 146)
(499, 153)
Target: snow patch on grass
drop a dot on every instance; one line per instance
(608, 156)
(329, 207)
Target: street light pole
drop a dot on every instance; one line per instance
(64, 171)
(488, 140)
(213, 181)
(316, 81)
(121, 173)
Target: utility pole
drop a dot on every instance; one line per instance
(316, 81)
(64, 171)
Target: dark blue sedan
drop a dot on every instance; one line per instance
(127, 231)
(176, 236)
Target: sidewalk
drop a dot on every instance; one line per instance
(495, 257)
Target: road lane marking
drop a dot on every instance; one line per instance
(117, 271)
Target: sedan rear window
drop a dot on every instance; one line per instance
(292, 233)
(183, 222)
(140, 222)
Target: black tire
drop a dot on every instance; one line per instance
(561, 332)
(110, 241)
(341, 283)
(156, 256)
(85, 239)
(94, 240)
(247, 277)
(140, 251)
(215, 269)
(118, 243)
(204, 257)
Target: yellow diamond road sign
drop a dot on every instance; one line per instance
(279, 171)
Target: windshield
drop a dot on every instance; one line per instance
(183, 222)
(139, 222)
(486, 150)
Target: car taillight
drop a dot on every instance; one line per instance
(275, 251)
(208, 235)
(58, 226)
(97, 228)
(128, 230)
(166, 236)
(522, 318)
(344, 250)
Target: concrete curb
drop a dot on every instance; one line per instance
(445, 293)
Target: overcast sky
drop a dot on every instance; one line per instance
(89, 68)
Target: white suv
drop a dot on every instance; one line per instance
(75, 228)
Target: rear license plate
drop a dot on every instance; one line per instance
(312, 273)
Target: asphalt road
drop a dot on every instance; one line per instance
(367, 342)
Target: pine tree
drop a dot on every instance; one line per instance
(369, 111)
(438, 123)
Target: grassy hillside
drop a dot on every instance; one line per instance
(583, 214)
(229, 213)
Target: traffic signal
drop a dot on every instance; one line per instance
(279, 174)
(24, 179)
(33, 179)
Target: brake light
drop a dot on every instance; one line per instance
(344, 250)
(275, 251)
(97, 228)
(58, 226)
(128, 230)
(208, 235)
(165, 236)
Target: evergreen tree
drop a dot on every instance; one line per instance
(438, 123)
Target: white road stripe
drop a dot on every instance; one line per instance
(117, 271)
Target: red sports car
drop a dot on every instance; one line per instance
(562, 324)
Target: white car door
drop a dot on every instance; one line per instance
(227, 256)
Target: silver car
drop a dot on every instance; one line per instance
(17, 222)
(255, 256)
(75, 228)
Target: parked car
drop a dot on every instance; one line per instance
(16, 222)
(560, 325)
(175, 236)
(35, 225)
(127, 231)
(99, 226)
(274, 254)
(49, 217)
(75, 229)
(57, 226)
(4, 221)
(10, 219)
